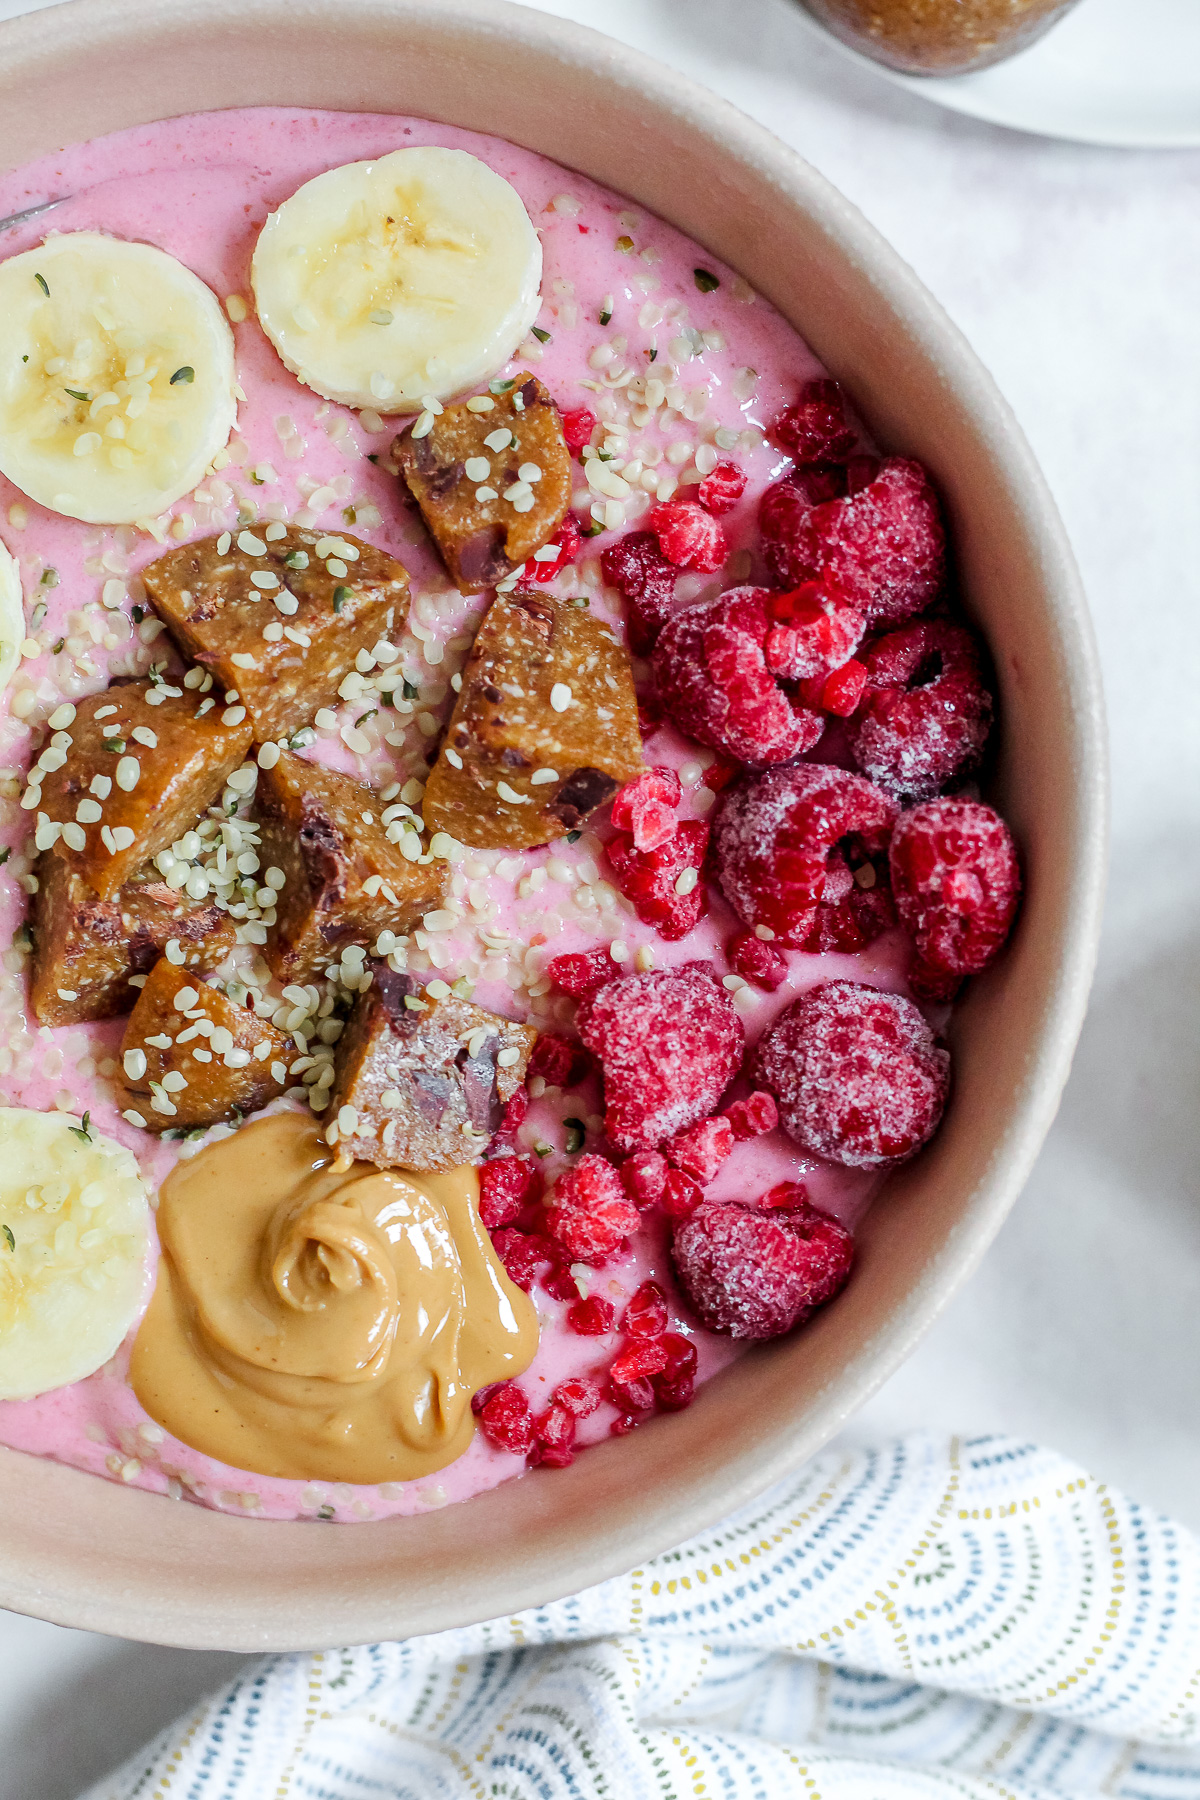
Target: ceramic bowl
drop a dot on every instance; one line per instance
(86, 1552)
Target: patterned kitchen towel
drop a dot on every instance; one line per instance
(934, 1618)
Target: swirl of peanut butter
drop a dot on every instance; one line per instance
(321, 1323)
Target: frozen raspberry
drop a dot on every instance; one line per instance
(639, 1357)
(681, 1356)
(857, 906)
(523, 1253)
(928, 712)
(646, 1314)
(842, 691)
(644, 1176)
(581, 972)
(789, 1196)
(814, 430)
(513, 1116)
(782, 839)
(712, 675)
(883, 548)
(814, 632)
(553, 1438)
(577, 428)
(592, 1317)
(722, 488)
(506, 1419)
(681, 1195)
(957, 882)
(506, 1185)
(688, 536)
(857, 1074)
(560, 1284)
(560, 1061)
(645, 580)
(755, 960)
(754, 1274)
(664, 886)
(669, 1043)
(700, 1151)
(568, 542)
(580, 1395)
(753, 1116)
(646, 808)
(592, 1215)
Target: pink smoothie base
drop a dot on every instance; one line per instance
(201, 188)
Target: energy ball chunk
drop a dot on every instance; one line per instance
(422, 1083)
(86, 949)
(544, 730)
(300, 607)
(192, 1057)
(141, 763)
(345, 883)
(490, 503)
(857, 1074)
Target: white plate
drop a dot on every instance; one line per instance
(1121, 72)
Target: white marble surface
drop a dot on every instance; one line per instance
(1075, 272)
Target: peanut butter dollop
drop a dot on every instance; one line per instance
(319, 1323)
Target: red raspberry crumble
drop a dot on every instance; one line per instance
(753, 1116)
(681, 1195)
(957, 883)
(569, 541)
(646, 1314)
(506, 1420)
(711, 669)
(646, 808)
(650, 879)
(645, 580)
(639, 1358)
(579, 1395)
(560, 1061)
(669, 1043)
(523, 1253)
(814, 429)
(688, 536)
(674, 1395)
(506, 1184)
(700, 1151)
(883, 547)
(842, 691)
(721, 490)
(857, 1074)
(592, 1317)
(581, 972)
(789, 1196)
(815, 631)
(554, 1438)
(513, 1116)
(681, 1356)
(777, 839)
(629, 1397)
(928, 712)
(592, 1215)
(755, 960)
(644, 1176)
(754, 1274)
(857, 905)
(577, 428)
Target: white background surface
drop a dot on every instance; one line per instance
(1076, 274)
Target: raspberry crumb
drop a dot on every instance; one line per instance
(577, 428)
(523, 1253)
(755, 960)
(644, 1176)
(700, 1151)
(722, 488)
(928, 712)
(645, 580)
(506, 1184)
(560, 1061)
(582, 972)
(957, 883)
(753, 1116)
(646, 1314)
(688, 536)
(857, 1075)
(569, 543)
(664, 886)
(592, 1215)
(646, 807)
(553, 1438)
(669, 1042)
(754, 1274)
(681, 1195)
(639, 1358)
(506, 1420)
(592, 1317)
(579, 1395)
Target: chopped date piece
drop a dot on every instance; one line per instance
(507, 1184)
(957, 882)
(301, 606)
(669, 1042)
(782, 838)
(814, 429)
(486, 522)
(928, 711)
(85, 949)
(711, 669)
(192, 1057)
(883, 547)
(722, 488)
(645, 580)
(753, 1274)
(664, 886)
(700, 1151)
(345, 882)
(592, 1215)
(688, 536)
(544, 729)
(148, 759)
(421, 1083)
(857, 1074)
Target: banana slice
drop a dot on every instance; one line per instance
(116, 377)
(12, 616)
(380, 283)
(74, 1232)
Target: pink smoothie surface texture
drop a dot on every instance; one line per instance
(201, 188)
